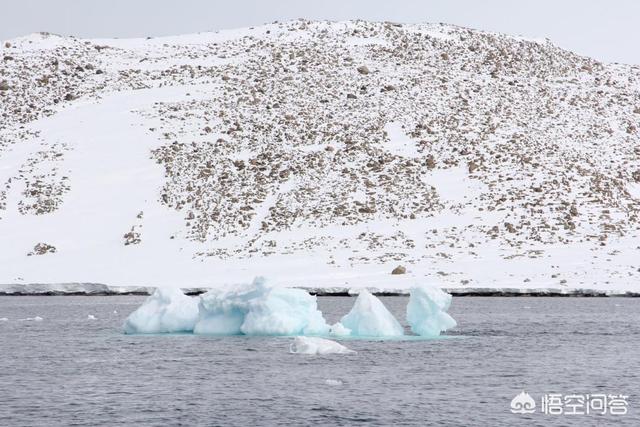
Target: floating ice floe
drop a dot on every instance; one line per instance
(315, 345)
(3, 319)
(166, 310)
(369, 318)
(91, 317)
(427, 311)
(332, 382)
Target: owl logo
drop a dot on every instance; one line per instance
(523, 404)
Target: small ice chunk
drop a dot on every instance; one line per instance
(91, 317)
(3, 319)
(259, 309)
(332, 382)
(167, 310)
(315, 345)
(32, 319)
(427, 311)
(370, 318)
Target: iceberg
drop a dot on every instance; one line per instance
(427, 311)
(259, 309)
(222, 311)
(167, 310)
(369, 318)
(285, 312)
(314, 345)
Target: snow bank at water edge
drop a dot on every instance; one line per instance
(382, 290)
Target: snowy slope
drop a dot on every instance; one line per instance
(321, 155)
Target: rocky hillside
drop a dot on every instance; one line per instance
(323, 154)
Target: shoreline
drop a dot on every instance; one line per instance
(94, 289)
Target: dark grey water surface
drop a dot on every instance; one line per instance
(70, 370)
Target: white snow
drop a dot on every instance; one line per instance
(367, 41)
(399, 143)
(634, 190)
(72, 288)
(112, 181)
(370, 318)
(317, 346)
(167, 310)
(427, 311)
(454, 185)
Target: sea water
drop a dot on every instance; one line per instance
(70, 368)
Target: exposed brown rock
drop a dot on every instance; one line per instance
(399, 270)
(363, 69)
(42, 249)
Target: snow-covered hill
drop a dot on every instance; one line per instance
(318, 154)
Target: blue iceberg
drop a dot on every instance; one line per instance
(368, 318)
(259, 309)
(167, 310)
(427, 311)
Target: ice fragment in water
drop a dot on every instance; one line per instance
(315, 345)
(32, 319)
